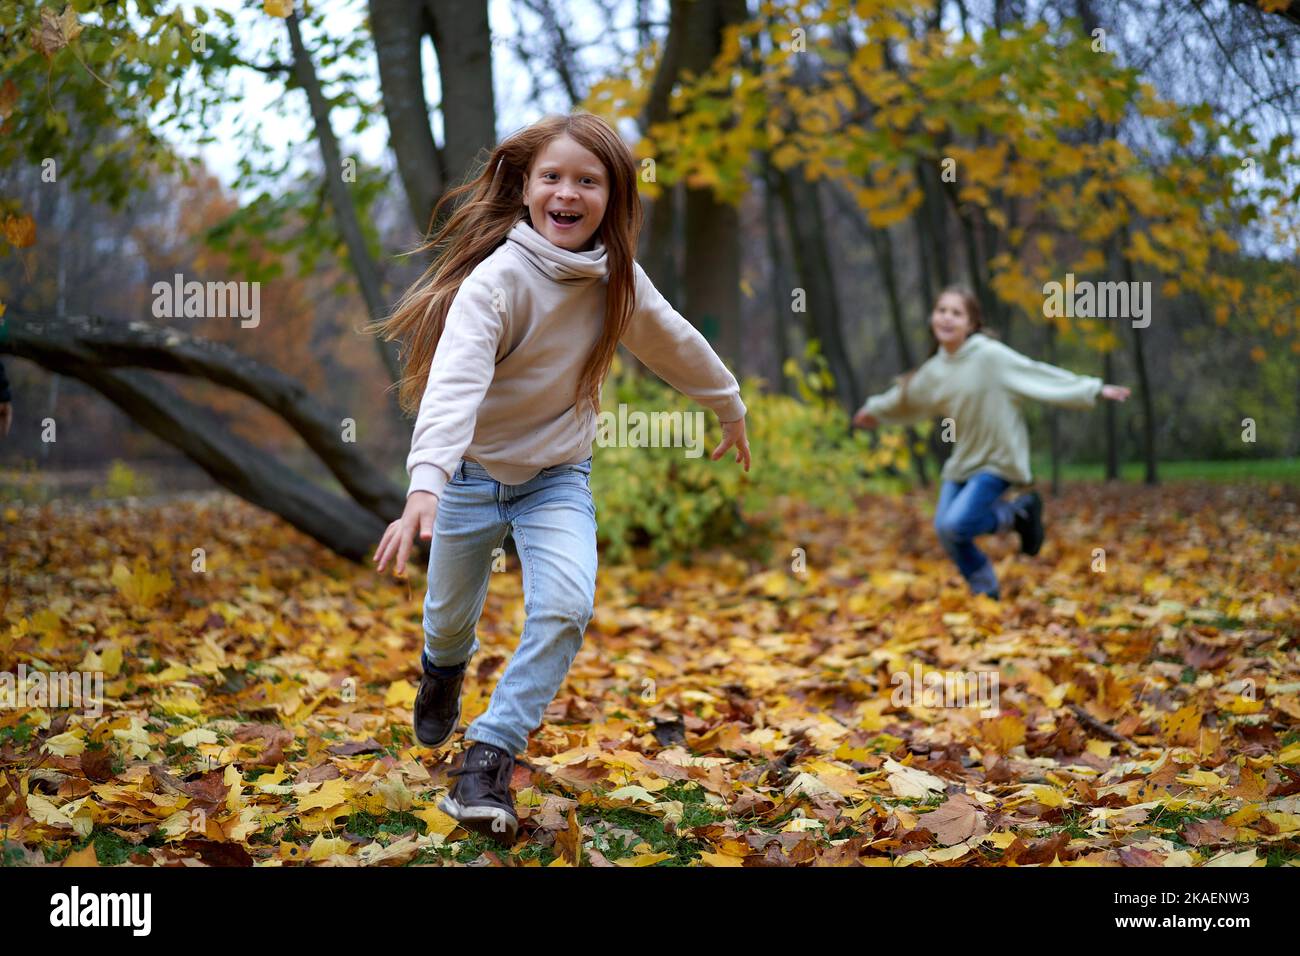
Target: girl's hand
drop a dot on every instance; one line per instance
(865, 420)
(733, 433)
(421, 510)
(1116, 393)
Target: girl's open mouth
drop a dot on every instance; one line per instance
(565, 220)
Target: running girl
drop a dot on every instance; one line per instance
(979, 383)
(511, 331)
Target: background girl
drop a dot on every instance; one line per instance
(511, 331)
(979, 383)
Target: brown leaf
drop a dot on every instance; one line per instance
(1046, 850)
(97, 765)
(218, 854)
(52, 34)
(369, 745)
(568, 842)
(211, 787)
(955, 820)
(1208, 832)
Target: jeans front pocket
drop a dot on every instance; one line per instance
(582, 468)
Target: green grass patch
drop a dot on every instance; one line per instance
(1235, 470)
(365, 824)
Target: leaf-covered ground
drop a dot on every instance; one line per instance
(721, 714)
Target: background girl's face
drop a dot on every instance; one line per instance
(950, 321)
(566, 177)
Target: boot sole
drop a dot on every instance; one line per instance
(491, 822)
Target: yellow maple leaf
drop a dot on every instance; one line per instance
(1004, 733)
(648, 859)
(66, 744)
(1182, 727)
(140, 587)
(332, 793)
(400, 693)
(720, 859)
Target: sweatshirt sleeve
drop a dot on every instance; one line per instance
(4, 385)
(891, 408)
(675, 351)
(1026, 378)
(462, 370)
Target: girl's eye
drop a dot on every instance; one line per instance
(585, 179)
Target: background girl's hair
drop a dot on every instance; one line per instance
(479, 225)
(972, 305)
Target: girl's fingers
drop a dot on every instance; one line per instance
(403, 545)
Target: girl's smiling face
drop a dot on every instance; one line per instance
(950, 321)
(566, 177)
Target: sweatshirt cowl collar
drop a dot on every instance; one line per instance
(973, 342)
(560, 264)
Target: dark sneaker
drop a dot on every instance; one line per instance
(1029, 522)
(437, 705)
(480, 798)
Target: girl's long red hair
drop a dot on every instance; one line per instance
(482, 223)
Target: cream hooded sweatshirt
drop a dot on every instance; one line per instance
(501, 386)
(980, 387)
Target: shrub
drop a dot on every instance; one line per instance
(672, 505)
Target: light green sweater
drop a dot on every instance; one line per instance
(980, 387)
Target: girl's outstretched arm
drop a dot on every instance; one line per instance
(675, 350)
(462, 370)
(896, 407)
(1027, 378)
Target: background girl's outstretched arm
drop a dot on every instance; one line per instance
(1027, 378)
(893, 407)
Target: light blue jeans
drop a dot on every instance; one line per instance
(553, 521)
(966, 509)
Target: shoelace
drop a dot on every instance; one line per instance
(499, 775)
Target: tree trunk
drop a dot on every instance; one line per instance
(398, 29)
(345, 212)
(883, 248)
(1144, 382)
(81, 345)
(779, 286)
(659, 238)
(1112, 439)
(1054, 419)
(812, 260)
(463, 42)
(711, 267)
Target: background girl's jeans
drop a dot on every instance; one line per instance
(553, 521)
(966, 509)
